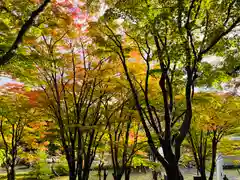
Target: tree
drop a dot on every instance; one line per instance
(75, 88)
(215, 115)
(17, 115)
(167, 34)
(102, 156)
(125, 141)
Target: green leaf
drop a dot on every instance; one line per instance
(155, 72)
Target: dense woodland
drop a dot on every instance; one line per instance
(118, 86)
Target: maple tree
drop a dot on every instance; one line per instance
(165, 33)
(74, 88)
(80, 68)
(125, 142)
(214, 116)
(30, 23)
(17, 127)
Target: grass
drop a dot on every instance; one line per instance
(21, 172)
(188, 175)
(232, 174)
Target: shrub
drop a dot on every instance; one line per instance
(41, 170)
(61, 169)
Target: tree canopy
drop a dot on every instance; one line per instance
(131, 76)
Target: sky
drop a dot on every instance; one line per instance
(4, 80)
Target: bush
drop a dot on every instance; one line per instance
(41, 170)
(61, 169)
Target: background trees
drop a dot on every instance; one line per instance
(125, 141)
(218, 117)
(18, 118)
(175, 35)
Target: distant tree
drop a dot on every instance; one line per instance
(125, 141)
(17, 116)
(75, 88)
(214, 116)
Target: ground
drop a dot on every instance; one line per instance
(188, 175)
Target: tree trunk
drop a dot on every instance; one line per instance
(10, 177)
(86, 172)
(117, 175)
(105, 174)
(72, 176)
(127, 173)
(11, 174)
(214, 152)
(202, 169)
(70, 156)
(72, 173)
(173, 172)
(203, 174)
(172, 167)
(99, 171)
(154, 175)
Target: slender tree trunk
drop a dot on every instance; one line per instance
(154, 175)
(117, 177)
(154, 172)
(11, 174)
(86, 172)
(105, 174)
(10, 177)
(72, 173)
(10, 171)
(127, 173)
(99, 171)
(202, 168)
(203, 173)
(214, 153)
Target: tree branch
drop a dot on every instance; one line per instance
(215, 41)
(229, 11)
(10, 53)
